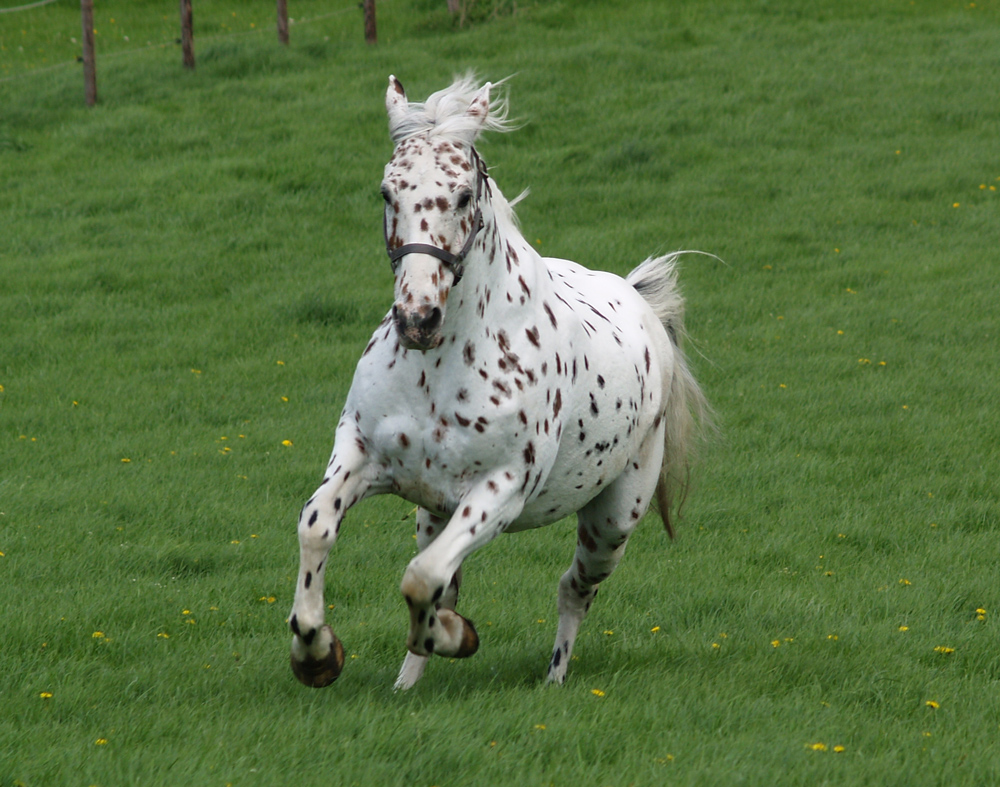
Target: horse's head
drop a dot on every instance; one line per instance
(434, 187)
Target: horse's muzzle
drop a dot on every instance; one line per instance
(420, 329)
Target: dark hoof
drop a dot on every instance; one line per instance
(470, 640)
(317, 673)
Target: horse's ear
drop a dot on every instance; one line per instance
(479, 109)
(395, 101)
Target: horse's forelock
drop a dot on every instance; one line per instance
(446, 114)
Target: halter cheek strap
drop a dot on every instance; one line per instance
(456, 262)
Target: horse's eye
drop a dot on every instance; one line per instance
(387, 195)
(464, 199)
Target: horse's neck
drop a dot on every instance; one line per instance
(500, 280)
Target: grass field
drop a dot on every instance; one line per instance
(189, 271)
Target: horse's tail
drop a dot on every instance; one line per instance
(685, 408)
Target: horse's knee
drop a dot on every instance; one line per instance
(420, 587)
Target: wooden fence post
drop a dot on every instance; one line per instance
(371, 36)
(283, 21)
(187, 33)
(89, 61)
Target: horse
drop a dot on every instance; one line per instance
(503, 391)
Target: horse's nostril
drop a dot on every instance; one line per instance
(432, 320)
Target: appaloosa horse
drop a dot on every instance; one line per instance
(502, 392)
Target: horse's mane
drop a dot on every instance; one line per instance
(445, 113)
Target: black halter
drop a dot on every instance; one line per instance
(454, 261)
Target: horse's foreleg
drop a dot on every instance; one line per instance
(429, 527)
(432, 575)
(317, 655)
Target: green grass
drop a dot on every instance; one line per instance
(180, 260)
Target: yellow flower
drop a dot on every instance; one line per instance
(905, 582)
(775, 643)
(125, 460)
(943, 649)
(932, 704)
(816, 746)
(655, 629)
(539, 726)
(839, 749)
(597, 692)
(608, 632)
(101, 742)
(46, 695)
(163, 635)
(98, 635)
(287, 443)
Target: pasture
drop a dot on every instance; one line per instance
(189, 271)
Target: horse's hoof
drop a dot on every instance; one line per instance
(470, 640)
(318, 673)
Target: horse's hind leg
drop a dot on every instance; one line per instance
(603, 528)
(428, 528)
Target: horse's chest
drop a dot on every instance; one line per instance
(435, 432)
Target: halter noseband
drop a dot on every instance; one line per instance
(454, 261)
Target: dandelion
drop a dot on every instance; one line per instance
(775, 643)
(944, 650)
(281, 363)
(904, 628)
(597, 692)
(608, 632)
(539, 726)
(163, 635)
(101, 742)
(98, 635)
(905, 582)
(46, 695)
(932, 704)
(834, 637)
(839, 749)
(125, 460)
(816, 746)
(655, 629)
(287, 443)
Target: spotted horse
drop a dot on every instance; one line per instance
(502, 392)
